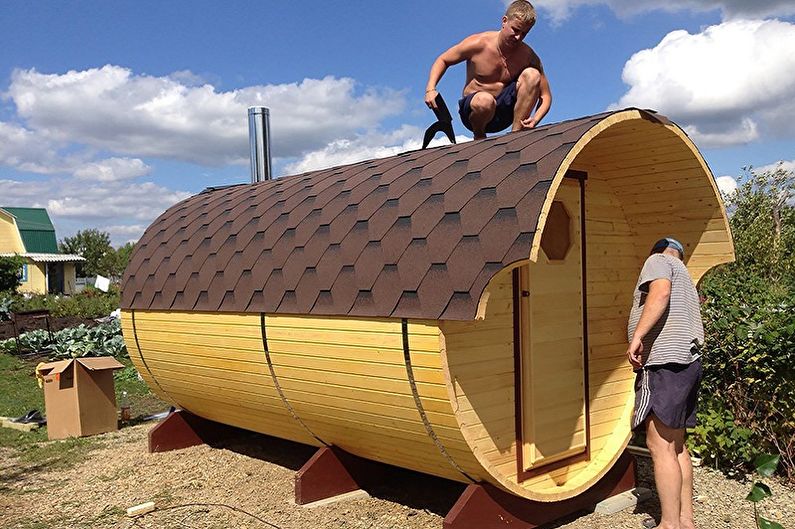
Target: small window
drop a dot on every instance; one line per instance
(556, 239)
(23, 274)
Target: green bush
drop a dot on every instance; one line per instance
(749, 374)
(719, 441)
(10, 268)
(90, 303)
(749, 325)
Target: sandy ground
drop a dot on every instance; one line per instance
(248, 483)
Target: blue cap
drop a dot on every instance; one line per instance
(668, 242)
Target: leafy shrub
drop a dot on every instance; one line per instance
(10, 268)
(749, 326)
(749, 372)
(90, 303)
(719, 441)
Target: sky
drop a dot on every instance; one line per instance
(110, 112)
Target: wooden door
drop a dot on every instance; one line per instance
(552, 337)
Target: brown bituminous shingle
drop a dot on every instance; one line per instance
(417, 235)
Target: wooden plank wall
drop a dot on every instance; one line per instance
(135, 355)
(480, 357)
(347, 380)
(665, 189)
(213, 365)
(344, 381)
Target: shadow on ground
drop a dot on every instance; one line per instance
(413, 489)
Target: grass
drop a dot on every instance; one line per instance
(20, 393)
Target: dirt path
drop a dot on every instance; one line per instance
(255, 474)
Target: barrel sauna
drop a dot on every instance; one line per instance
(459, 311)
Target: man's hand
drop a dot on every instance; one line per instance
(430, 97)
(634, 352)
(529, 123)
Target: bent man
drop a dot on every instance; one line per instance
(505, 80)
(665, 332)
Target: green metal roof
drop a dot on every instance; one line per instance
(35, 228)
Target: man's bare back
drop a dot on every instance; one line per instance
(505, 83)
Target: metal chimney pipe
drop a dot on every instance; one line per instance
(259, 135)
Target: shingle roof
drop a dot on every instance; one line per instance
(417, 235)
(35, 228)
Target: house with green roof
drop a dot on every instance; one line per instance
(29, 233)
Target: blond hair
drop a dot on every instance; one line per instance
(521, 10)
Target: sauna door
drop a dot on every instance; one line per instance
(552, 360)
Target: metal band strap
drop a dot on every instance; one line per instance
(276, 382)
(418, 403)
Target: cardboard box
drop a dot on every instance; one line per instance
(80, 397)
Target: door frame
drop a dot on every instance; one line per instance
(522, 474)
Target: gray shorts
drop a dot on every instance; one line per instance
(668, 391)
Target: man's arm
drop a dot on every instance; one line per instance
(458, 53)
(656, 304)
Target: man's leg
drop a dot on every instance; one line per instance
(483, 108)
(528, 88)
(662, 442)
(686, 509)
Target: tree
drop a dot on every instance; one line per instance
(763, 225)
(94, 246)
(10, 272)
(115, 261)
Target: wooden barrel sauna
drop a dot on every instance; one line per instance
(459, 311)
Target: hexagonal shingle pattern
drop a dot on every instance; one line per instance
(417, 235)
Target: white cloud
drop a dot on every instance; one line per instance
(24, 150)
(113, 109)
(123, 209)
(124, 233)
(23, 194)
(112, 170)
(365, 147)
(744, 132)
(726, 184)
(560, 10)
(142, 201)
(90, 132)
(784, 165)
(729, 84)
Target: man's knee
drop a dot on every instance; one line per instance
(529, 79)
(661, 440)
(483, 102)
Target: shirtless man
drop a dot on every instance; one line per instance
(505, 79)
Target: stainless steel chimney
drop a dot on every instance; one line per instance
(259, 136)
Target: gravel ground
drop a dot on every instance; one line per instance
(255, 475)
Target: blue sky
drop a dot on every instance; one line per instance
(112, 111)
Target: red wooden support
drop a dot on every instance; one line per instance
(483, 506)
(181, 429)
(330, 472)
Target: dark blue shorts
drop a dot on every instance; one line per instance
(503, 116)
(668, 391)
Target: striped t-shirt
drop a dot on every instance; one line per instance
(678, 334)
